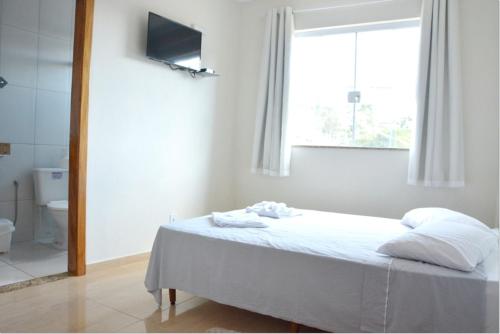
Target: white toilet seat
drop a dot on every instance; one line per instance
(58, 205)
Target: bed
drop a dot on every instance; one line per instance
(322, 270)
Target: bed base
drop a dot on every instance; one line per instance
(294, 327)
(172, 295)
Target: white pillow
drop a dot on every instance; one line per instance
(417, 217)
(445, 243)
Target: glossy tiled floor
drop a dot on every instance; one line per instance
(27, 260)
(112, 298)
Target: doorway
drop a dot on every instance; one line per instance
(44, 80)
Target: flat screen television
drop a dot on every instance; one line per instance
(173, 43)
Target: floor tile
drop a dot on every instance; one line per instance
(126, 293)
(201, 315)
(44, 267)
(10, 275)
(76, 314)
(112, 298)
(29, 251)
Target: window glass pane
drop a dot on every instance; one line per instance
(322, 74)
(387, 62)
(380, 64)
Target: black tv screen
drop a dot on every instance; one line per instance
(173, 43)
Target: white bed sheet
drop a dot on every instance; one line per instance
(320, 269)
(341, 236)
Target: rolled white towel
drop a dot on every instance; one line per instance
(272, 210)
(242, 220)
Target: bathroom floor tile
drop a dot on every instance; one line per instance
(10, 275)
(27, 260)
(30, 251)
(44, 267)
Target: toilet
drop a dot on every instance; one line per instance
(59, 211)
(51, 191)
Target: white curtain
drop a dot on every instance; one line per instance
(437, 153)
(271, 151)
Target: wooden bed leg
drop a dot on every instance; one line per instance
(172, 296)
(294, 327)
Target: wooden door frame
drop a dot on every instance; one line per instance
(84, 15)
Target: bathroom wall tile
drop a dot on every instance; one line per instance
(52, 118)
(17, 115)
(18, 166)
(18, 56)
(57, 17)
(21, 14)
(37, 221)
(49, 156)
(24, 225)
(7, 210)
(54, 64)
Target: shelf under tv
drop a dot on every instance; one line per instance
(206, 73)
(201, 73)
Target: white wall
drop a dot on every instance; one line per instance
(162, 143)
(373, 182)
(159, 141)
(36, 47)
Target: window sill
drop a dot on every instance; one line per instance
(353, 147)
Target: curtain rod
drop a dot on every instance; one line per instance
(341, 6)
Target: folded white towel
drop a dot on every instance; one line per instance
(272, 210)
(235, 219)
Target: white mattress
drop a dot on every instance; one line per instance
(320, 269)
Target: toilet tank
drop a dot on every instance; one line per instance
(51, 184)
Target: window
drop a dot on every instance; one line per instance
(355, 86)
